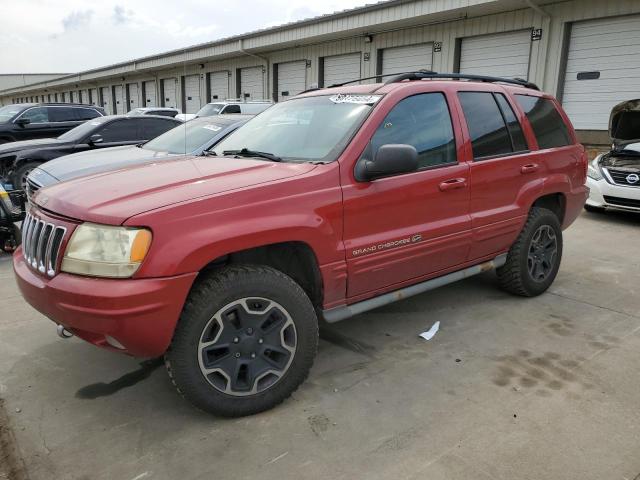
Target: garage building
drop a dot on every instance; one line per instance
(586, 52)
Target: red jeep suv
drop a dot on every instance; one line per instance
(324, 206)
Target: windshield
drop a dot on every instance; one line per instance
(304, 129)
(8, 112)
(81, 131)
(210, 110)
(185, 138)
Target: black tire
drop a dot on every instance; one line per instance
(19, 177)
(516, 275)
(592, 209)
(208, 309)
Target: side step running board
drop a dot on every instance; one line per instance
(341, 313)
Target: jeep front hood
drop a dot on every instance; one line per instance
(113, 197)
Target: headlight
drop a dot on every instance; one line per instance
(103, 251)
(593, 171)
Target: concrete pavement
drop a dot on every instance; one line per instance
(509, 388)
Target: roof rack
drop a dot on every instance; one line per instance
(376, 77)
(430, 74)
(425, 74)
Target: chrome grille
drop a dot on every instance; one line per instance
(41, 242)
(619, 177)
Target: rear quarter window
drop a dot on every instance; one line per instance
(548, 126)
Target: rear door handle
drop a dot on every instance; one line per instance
(530, 168)
(453, 184)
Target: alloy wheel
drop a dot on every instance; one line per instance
(543, 253)
(247, 346)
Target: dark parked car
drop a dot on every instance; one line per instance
(162, 111)
(192, 138)
(27, 121)
(17, 159)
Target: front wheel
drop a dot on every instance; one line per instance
(19, 177)
(245, 341)
(534, 259)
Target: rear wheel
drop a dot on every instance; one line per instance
(534, 259)
(245, 341)
(19, 178)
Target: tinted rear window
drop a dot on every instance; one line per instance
(547, 124)
(489, 134)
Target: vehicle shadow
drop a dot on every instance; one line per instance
(617, 217)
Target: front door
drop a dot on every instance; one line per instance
(400, 228)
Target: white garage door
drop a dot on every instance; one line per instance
(498, 55)
(252, 83)
(134, 99)
(292, 79)
(219, 85)
(602, 70)
(341, 68)
(105, 92)
(409, 58)
(119, 99)
(150, 94)
(169, 90)
(84, 94)
(93, 96)
(192, 93)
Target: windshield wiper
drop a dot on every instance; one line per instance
(245, 152)
(209, 153)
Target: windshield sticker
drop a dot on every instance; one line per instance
(357, 99)
(214, 128)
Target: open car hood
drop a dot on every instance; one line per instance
(624, 123)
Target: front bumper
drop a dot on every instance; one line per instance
(139, 314)
(605, 195)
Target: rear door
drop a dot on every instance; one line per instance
(123, 131)
(503, 170)
(149, 128)
(401, 228)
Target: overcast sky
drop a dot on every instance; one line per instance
(42, 36)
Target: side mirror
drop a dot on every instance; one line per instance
(391, 159)
(95, 139)
(23, 121)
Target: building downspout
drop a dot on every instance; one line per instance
(265, 84)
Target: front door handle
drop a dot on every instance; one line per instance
(453, 184)
(530, 168)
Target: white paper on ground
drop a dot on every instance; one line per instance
(428, 335)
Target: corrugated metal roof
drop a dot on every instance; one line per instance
(421, 7)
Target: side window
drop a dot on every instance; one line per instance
(515, 129)
(36, 115)
(232, 109)
(85, 113)
(119, 131)
(547, 124)
(487, 128)
(62, 114)
(151, 127)
(424, 122)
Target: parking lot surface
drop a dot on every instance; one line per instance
(543, 388)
